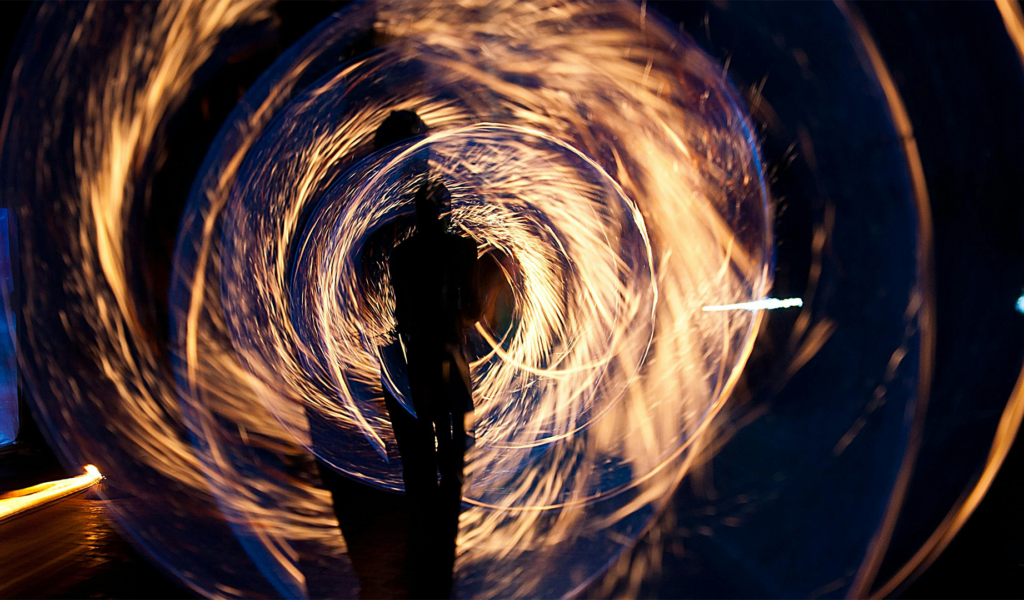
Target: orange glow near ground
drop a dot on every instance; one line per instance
(19, 501)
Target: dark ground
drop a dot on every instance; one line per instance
(70, 550)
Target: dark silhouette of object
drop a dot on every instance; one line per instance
(406, 546)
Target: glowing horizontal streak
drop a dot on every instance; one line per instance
(763, 304)
(17, 502)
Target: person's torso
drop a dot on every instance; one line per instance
(430, 276)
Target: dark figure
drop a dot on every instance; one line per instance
(434, 275)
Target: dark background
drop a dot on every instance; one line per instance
(960, 78)
(963, 86)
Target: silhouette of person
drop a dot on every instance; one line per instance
(434, 275)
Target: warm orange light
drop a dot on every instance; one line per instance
(19, 501)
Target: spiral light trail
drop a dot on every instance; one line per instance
(602, 158)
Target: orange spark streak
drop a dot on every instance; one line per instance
(19, 501)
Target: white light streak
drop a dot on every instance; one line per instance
(773, 303)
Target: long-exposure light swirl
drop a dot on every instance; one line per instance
(601, 158)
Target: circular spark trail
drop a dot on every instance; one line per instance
(604, 162)
(583, 284)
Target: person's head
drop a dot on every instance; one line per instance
(399, 126)
(433, 205)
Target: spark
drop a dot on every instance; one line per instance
(763, 304)
(1020, 304)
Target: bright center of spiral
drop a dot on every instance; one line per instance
(613, 193)
(580, 275)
